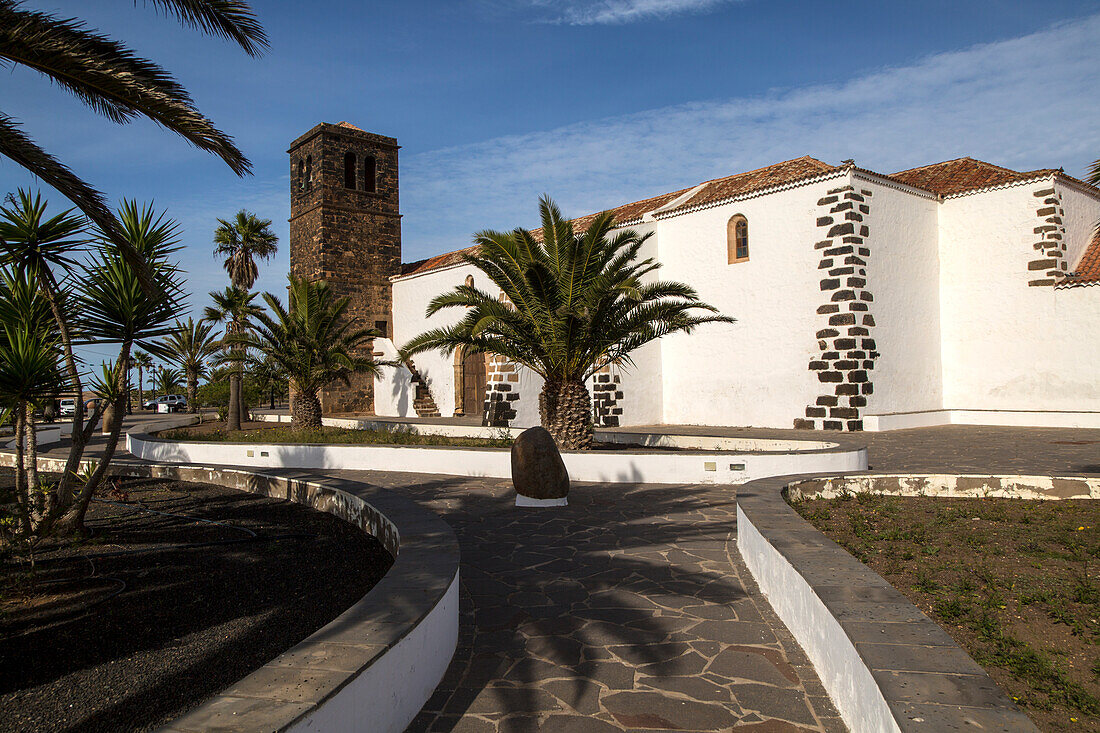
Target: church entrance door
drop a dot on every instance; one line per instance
(473, 384)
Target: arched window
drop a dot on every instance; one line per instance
(737, 238)
(349, 170)
(308, 182)
(370, 174)
(300, 172)
(469, 281)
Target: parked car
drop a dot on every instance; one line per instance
(175, 403)
(68, 407)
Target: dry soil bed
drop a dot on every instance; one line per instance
(154, 613)
(1015, 582)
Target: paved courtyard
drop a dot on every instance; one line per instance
(631, 610)
(627, 610)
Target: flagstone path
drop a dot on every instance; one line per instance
(629, 609)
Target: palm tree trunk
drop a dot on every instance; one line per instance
(31, 457)
(74, 520)
(192, 391)
(240, 392)
(233, 421)
(305, 410)
(566, 412)
(141, 389)
(22, 496)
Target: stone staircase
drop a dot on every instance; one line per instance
(423, 403)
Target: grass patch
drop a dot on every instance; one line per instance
(1015, 582)
(337, 436)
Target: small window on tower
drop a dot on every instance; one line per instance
(370, 174)
(308, 183)
(349, 170)
(299, 182)
(737, 239)
(382, 327)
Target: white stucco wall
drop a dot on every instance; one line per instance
(903, 276)
(754, 372)
(394, 390)
(1007, 346)
(410, 297)
(1081, 219)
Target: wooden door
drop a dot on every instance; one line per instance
(473, 384)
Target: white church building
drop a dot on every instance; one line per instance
(959, 292)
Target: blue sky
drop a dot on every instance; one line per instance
(596, 103)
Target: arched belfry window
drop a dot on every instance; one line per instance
(308, 182)
(370, 174)
(349, 170)
(300, 174)
(737, 238)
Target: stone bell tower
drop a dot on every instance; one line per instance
(345, 228)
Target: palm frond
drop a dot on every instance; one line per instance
(230, 19)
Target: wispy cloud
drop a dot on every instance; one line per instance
(1027, 102)
(612, 12)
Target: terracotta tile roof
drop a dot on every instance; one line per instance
(778, 174)
(720, 188)
(1088, 269)
(963, 174)
(946, 178)
(434, 263)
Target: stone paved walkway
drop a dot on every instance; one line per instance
(627, 610)
(631, 610)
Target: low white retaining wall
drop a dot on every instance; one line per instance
(952, 486)
(373, 666)
(1002, 418)
(605, 466)
(850, 684)
(886, 665)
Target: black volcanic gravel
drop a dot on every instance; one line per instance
(189, 622)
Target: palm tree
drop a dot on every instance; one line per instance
(115, 82)
(312, 342)
(102, 299)
(268, 375)
(190, 345)
(141, 362)
(234, 308)
(240, 242)
(167, 380)
(115, 307)
(1094, 173)
(29, 373)
(575, 304)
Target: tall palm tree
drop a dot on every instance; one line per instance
(240, 242)
(312, 342)
(235, 308)
(141, 362)
(167, 380)
(118, 84)
(190, 345)
(268, 376)
(575, 303)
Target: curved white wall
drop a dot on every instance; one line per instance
(667, 467)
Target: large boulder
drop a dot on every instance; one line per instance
(538, 472)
